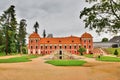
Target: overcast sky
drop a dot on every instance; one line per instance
(59, 17)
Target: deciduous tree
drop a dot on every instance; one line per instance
(103, 16)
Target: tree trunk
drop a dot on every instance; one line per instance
(21, 48)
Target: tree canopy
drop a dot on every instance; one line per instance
(103, 15)
(10, 36)
(104, 40)
(82, 50)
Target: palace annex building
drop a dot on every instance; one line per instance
(70, 44)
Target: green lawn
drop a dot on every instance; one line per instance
(111, 50)
(109, 59)
(89, 55)
(24, 58)
(66, 62)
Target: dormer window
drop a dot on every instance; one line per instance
(59, 41)
(48, 41)
(72, 41)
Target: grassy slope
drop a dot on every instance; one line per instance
(109, 59)
(66, 62)
(18, 59)
(111, 50)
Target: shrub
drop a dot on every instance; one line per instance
(116, 52)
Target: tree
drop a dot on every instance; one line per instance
(81, 50)
(36, 26)
(22, 33)
(44, 33)
(103, 16)
(116, 52)
(9, 24)
(105, 40)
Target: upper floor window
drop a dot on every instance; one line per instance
(84, 46)
(36, 47)
(41, 47)
(36, 40)
(45, 47)
(75, 47)
(60, 47)
(31, 47)
(55, 47)
(70, 47)
(89, 46)
(84, 41)
(89, 41)
(50, 47)
(65, 47)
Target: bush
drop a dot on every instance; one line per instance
(116, 52)
(24, 50)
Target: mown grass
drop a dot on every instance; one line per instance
(24, 58)
(108, 59)
(89, 55)
(66, 62)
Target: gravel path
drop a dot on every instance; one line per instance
(38, 70)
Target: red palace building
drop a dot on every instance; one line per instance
(71, 44)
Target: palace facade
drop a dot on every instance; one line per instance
(70, 44)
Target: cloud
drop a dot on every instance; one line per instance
(60, 17)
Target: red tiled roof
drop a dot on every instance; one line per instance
(64, 40)
(86, 35)
(34, 35)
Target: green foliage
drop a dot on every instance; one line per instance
(66, 62)
(82, 50)
(24, 50)
(116, 52)
(18, 59)
(2, 48)
(112, 50)
(105, 40)
(103, 16)
(8, 25)
(22, 35)
(109, 59)
(10, 37)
